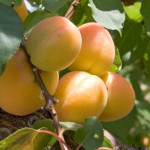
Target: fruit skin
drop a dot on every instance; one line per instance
(22, 11)
(80, 95)
(97, 51)
(121, 97)
(19, 93)
(54, 44)
(104, 148)
(145, 140)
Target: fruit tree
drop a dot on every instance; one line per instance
(74, 74)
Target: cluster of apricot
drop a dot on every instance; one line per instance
(89, 89)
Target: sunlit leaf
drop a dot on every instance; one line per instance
(133, 11)
(25, 139)
(70, 126)
(117, 64)
(108, 13)
(106, 143)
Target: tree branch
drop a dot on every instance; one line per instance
(49, 99)
(118, 145)
(71, 9)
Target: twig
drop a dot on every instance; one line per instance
(49, 99)
(55, 135)
(118, 145)
(115, 142)
(71, 9)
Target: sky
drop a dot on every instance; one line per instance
(30, 8)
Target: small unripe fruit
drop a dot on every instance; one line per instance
(97, 51)
(19, 93)
(54, 44)
(80, 95)
(121, 97)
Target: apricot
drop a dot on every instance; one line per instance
(54, 44)
(104, 148)
(80, 95)
(145, 140)
(121, 97)
(97, 51)
(19, 93)
(22, 11)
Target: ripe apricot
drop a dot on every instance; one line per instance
(145, 140)
(97, 51)
(19, 93)
(121, 97)
(104, 148)
(22, 11)
(54, 44)
(80, 95)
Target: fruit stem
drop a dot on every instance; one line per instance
(71, 9)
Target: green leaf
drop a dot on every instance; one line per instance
(117, 64)
(121, 128)
(133, 12)
(145, 11)
(9, 2)
(46, 123)
(53, 5)
(63, 72)
(34, 18)
(62, 11)
(25, 139)
(147, 63)
(106, 143)
(108, 13)
(11, 33)
(130, 40)
(90, 136)
(70, 126)
(143, 109)
(82, 13)
(133, 73)
(49, 125)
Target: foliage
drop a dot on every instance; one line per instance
(9, 27)
(129, 26)
(25, 138)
